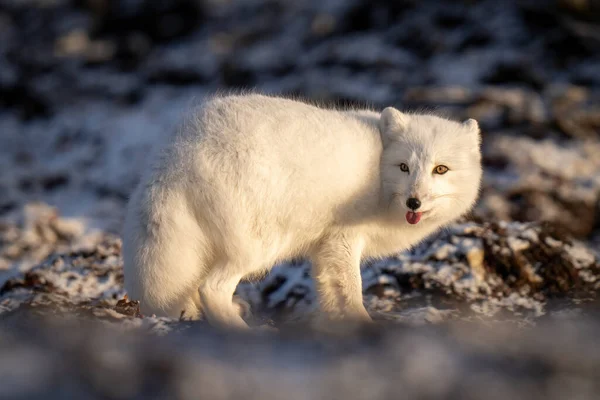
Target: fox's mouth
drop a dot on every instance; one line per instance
(413, 217)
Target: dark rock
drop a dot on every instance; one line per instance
(158, 20)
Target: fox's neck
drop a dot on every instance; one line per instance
(388, 235)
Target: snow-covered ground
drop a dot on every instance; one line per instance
(87, 87)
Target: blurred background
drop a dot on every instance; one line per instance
(86, 86)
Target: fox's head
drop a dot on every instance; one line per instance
(430, 166)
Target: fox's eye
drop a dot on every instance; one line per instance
(440, 170)
(403, 167)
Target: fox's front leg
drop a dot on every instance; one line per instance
(336, 271)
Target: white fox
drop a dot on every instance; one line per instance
(253, 180)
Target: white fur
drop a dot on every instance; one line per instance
(253, 180)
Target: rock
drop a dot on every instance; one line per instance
(129, 308)
(71, 280)
(576, 112)
(38, 233)
(509, 266)
(544, 181)
(506, 266)
(194, 61)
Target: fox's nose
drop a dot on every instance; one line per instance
(413, 203)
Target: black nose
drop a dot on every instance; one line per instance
(413, 203)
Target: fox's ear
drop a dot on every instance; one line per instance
(473, 127)
(391, 123)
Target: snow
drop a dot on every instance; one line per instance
(81, 110)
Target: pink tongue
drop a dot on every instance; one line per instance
(413, 217)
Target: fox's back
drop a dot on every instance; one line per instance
(278, 153)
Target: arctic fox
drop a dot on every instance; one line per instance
(253, 180)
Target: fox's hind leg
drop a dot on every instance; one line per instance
(216, 294)
(163, 263)
(166, 286)
(191, 309)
